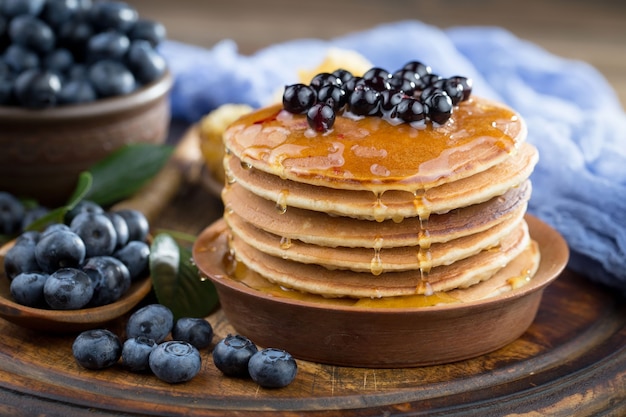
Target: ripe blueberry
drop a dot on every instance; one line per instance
(136, 256)
(136, 353)
(232, 354)
(97, 232)
(68, 289)
(97, 349)
(272, 368)
(27, 289)
(175, 361)
(59, 249)
(110, 278)
(196, 331)
(138, 225)
(154, 321)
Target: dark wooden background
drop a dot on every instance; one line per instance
(593, 31)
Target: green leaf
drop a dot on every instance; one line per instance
(176, 280)
(125, 171)
(57, 215)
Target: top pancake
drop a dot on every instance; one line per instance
(372, 154)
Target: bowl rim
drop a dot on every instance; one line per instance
(549, 269)
(98, 108)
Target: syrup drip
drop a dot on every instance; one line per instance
(285, 242)
(380, 209)
(376, 264)
(281, 201)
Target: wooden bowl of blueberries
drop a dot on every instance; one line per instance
(77, 81)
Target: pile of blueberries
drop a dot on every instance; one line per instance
(178, 359)
(413, 94)
(89, 260)
(59, 52)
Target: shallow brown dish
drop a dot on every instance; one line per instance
(43, 151)
(381, 337)
(65, 321)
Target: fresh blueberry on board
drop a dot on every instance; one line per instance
(232, 354)
(107, 45)
(68, 289)
(27, 289)
(97, 349)
(59, 249)
(175, 361)
(272, 368)
(136, 353)
(83, 206)
(111, 78)
(154, 321)
(110, 279)
(136, 256)
(194, 330)
(145, 62)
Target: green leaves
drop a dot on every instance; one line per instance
(125, 171)
(176, 281)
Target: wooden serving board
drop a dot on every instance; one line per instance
(571, 362)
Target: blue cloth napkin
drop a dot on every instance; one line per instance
(574, 117)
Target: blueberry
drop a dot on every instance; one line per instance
(56, 12)
(272, 368)
(68, 289)
(136, 256)
(232, 354)
(418, 67)
(333, 95)
(154, 321)
(410, 110)
(110, 279)
(298, 98)
(439, 107)
(11, 213)
(7, 78)
(321, 117)
(322, 79)
(145, 62)
(59, 249)
(113, 15)
(138, 225)
(55, 227)
(12, 8)
(59, 61)
(111, 78)
(73, 35)
(32, 33)
(21, 258)
(121, 228)
(77, 91)
(37, 88)
(377, 79)
(96, 231)
(83, 206)
(20, 59)
(343, 75)
(136, 353)
(107, 45)
(97, 349)
(196, 331)
(364, 101)
(27, 289)
(175, 361)
(148, 30)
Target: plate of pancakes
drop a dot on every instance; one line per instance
(380, 245)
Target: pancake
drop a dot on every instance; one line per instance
(313, 226)
(372, 210)
(391, 204)
(319, 280)
(361, 153)
(373, 259)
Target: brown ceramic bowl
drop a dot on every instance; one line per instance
(381, 337)
(43, 151)
(65, 321)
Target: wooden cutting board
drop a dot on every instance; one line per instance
(571, 362)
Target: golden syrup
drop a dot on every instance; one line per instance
(281, 201)
(370, 153)
(285, 242)
(376, 264)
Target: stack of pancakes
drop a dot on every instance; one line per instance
(373, 210)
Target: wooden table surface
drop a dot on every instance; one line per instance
(571, 362)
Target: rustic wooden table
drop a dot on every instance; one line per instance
(571, 362)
